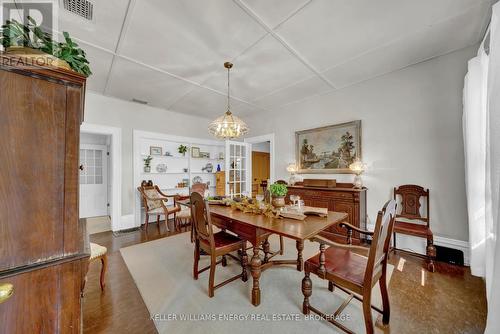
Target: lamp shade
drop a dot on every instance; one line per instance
(291, 168)
(228, 126)
(358, 167)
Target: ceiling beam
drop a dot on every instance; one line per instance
(272, 32)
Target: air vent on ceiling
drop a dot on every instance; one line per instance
(139, 101)
(81, 8)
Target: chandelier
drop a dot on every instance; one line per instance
(228, 126)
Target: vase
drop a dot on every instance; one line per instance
(147, 169)
(278, 201)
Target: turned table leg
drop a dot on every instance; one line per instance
(300, 260)
(266, 247)
(255, 270)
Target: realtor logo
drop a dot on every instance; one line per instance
(43, 12)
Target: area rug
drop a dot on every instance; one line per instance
(162, 270)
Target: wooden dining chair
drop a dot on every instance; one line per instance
(213, 244)
(410, 221)
(154, 202)
(199, 188)
(353, 273)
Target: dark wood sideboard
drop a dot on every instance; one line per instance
(342, 198)
(43, 245)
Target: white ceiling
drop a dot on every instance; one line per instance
(170, 52)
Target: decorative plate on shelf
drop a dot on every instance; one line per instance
(161, 168)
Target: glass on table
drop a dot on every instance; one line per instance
(294, 199)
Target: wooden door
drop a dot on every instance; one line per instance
(260, 170)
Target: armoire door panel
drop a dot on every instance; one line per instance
(32, 127)
(72, 239)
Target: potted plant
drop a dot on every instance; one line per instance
(31, 42)
(182, 150)
(147, 164)
(278, 192)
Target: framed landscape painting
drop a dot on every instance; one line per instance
(329, 149)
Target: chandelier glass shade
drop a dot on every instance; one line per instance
(228, 126)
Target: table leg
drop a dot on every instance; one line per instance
(266, 247)
(300, 260)
(255, 270)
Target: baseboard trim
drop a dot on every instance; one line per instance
(445, 242)
(126, 222)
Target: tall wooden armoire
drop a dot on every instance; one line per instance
(43, 247)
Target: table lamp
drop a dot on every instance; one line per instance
(292, 169)
(358, 167)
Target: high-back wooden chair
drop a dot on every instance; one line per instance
(199, 188)
(353, 273)
(213, 244)
(410, 221)
(154, 203)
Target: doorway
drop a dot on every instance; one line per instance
(261, 168)
(95, 188)
(262, 162)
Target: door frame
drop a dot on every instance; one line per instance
(259, 139)
(115, 167)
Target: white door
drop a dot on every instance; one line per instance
(93, 181)
(237, 169)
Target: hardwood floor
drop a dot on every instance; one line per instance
(120, 309)
(450, 300)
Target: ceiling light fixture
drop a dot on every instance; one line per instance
(228, 126)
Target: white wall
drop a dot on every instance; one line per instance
(411, 133)
(93, 139)
(128, 116)
(262, 147)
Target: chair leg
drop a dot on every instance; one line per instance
(224, 261)
(385, 297)
(196, 259)
(367, 310)
(282, 245)
(431, 253)
(211, 280)
(104, 262)
(307, 292)
(244, 262)
(146, 221)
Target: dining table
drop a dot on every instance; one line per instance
(257, 228)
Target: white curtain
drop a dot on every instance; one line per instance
(493, 177)
(474, 126)
(481, 120)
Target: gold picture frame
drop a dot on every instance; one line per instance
(328, 149)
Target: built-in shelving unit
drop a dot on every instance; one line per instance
(176, 163)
